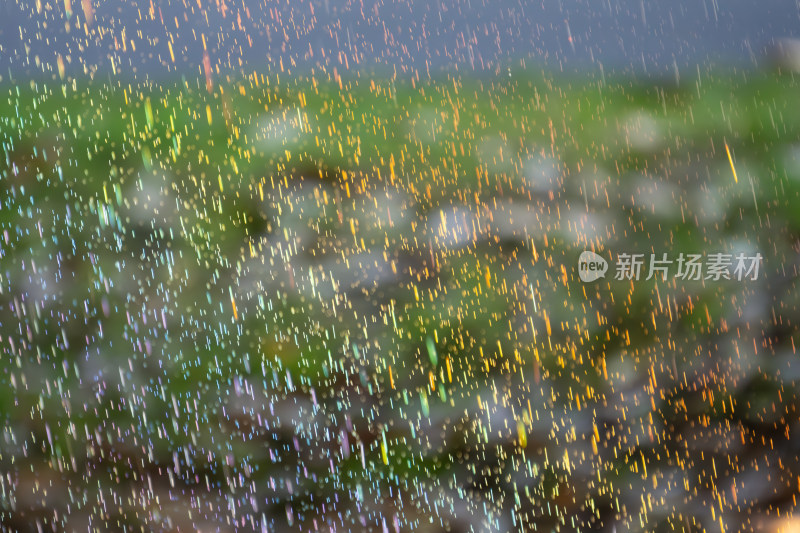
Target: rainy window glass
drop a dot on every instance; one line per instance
(448, 265)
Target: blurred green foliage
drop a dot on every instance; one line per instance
(285, 299)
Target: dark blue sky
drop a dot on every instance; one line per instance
(242, 35)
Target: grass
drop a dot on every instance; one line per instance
(286, 299)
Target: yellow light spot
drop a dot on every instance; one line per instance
(730, 160)
(522, 434)
(384, 450)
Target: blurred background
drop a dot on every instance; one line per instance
(152, 39)
(313, 266)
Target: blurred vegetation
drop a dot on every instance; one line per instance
(353, 304)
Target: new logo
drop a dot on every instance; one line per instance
(591, 267)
